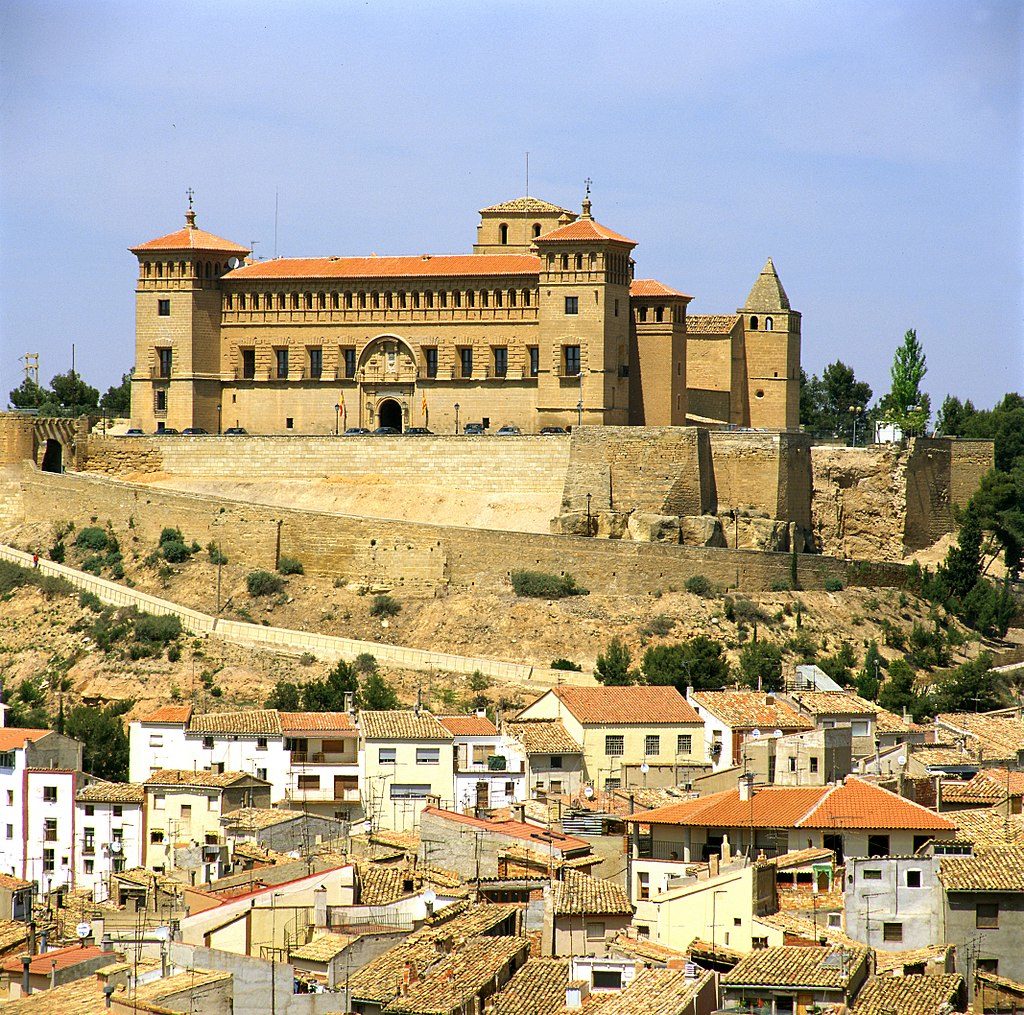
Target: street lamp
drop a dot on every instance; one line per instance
(589, 531)
(456, 419)
(219, 414)
(855, 411)
(337, 418)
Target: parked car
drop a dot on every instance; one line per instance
(168, 431)
(418, 431)
(509, 431)
(355, 431)
(235, 431)
(386, 431)
(474, 429)
(135, 431)
(552, 429)
(195, 431)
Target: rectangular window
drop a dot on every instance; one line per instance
(556, 760)
(349, 356)
(248, 364)
(10, 831)
(871, 875)
(261, 743)
(316, 362)
(616, 308)
(814, 764)
(595, 930)
(282, 363)
(309, 782)
(614, 746)
(159, 801)
(987, 966)
(90, 810)
(534, 352)
(555, 787)
(986, 915)
(430, 354)
(163, 308)
(160, 400)
(386, 756)
(684, 743)
(164, 358)
(50, 830)
(481, 752)
(878, 845)
(6, 759)
(50, 794)
(792, 764)
(207, 743)
(500, 360)
(860, 727)
(186, 812)
(607, 979)
(90, 866)
(409, 792)
(428, 755)
(466, 359)
(156, 836)
(644, 885)
(156, 740)
(571, 354)
(652, 745)
(48, 864)
(610, 784)
(572, 305)
(892, 931)
(913, 879)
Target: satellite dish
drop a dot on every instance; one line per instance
(777, 734)
(901, 760)
(115, 847)
(588, 791)
(83, 930)
(430, 896)
(233, 262)
(755, 733)
(645, 768)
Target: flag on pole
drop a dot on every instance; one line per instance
(424, 406)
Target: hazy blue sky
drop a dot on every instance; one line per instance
(873, 149)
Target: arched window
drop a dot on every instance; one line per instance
(148, 268)
(503, 233)
(159, 269)
(511, 297)
(216, 270)
(229, 300)
(457, 298)
(659, 314)
(471, 298)
(182, 268)
(208, 266)
(295, 301)
(753, 324)
(321, 301)
(769, 324)
(497, 297)
(643, 314)
(526, 297)
(565, 262)
(593, 261)
(281, 301)
(241, 301)
(536, 230)
(334, 301)
(485, 298)
(578, 262)
(444, 297)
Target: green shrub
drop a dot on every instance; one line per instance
(289, 565)
(174, 552)
(761, 666)
(699, 585)
(307, 659)
(169, 535)
(538, 585)
(139, 650)
(263, 583)
(661, 625)
(57, 552)
(90, 601)
(385, 606)
(93, 564)
(216, 692)
(157, 629)
(747, 611)
(566, 664)
(117, 571)
(217, 555)
(781, 585)
(92, 538)
(833, 585)
(173, 654)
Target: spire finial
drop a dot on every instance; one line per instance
(588, 182)
(190, 215)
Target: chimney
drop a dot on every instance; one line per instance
(26, 982)
(32, 937)
(769, 699)
(349, 700)
(44, 935)
(480, 713)
(726, 851)
(108, 990)
(576, 993)
(746, 786)
(53, 974)
(320, 908)
(714, 865)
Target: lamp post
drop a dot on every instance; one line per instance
(219, 415)
(456, 419)
(337, 418)
(579, 404)
(855, 411)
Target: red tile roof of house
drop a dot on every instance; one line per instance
(191, 239)
(13, 884)
(751, 710)
(582, 230)
(514, 829)
(317, 722)
(468, 725)
(425, 266)
(617, 705)
(652, 287)
(852, 804)
(169, 714)
(13, 737)
(42, 963)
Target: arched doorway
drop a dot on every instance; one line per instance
(53, 456)
(390, 414)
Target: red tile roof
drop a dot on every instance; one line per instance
(13, 884)
(426, 266)
(533, 834)
(748, 710)
(582, 230)
(853, 804)
(191, 239)
(637, 704)
(652, 287)
(13, 737)
(169, 714)
(317, 722)
(468, 725)
(42, 963)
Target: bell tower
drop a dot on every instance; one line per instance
(176, 383)
(771, 346)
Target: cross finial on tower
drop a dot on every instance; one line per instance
(190, 193)
(586, 197)
(190, 215)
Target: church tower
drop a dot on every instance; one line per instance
(771, 341)
(177, 378)
(583, 324)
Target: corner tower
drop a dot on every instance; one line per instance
(177, 381)
(513, 227)
(771, 347)
(583, 324)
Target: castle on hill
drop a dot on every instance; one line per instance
(543, 324)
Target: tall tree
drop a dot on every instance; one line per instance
(826, 402)
(117, 399)
(962, 567)
(105, 743)
(614, 665)
(28, 395)
(377, 695)
(906, 404)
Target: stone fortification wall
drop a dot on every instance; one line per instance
(420, 557)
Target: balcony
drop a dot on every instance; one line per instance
(88, 848)
(320, 758)
(324, 795)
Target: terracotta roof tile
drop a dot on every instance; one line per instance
(830, 703)
(256, 818)
(542, 736)
(536, 989)
(425, 266)
(11, 883)
(251, 722)
(583, 230)
(468, 725)
(190, 239)
(401, 725)
(859, 804)
(14, 737)
(641, 705)
(532, 834)
(909, 995)
(322, 948)
(581, 894)
(187, 777)
(711, 324)
(752, 710)
(111, 793)
(156, 991)
(317, 722)
(1001, 737)
(652, 287)
(63, 958)
(1000, 869)
(931, 954)
(528, 204)
(792, 966)
(169, 714)
(653, 992)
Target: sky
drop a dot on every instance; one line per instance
(872, 149)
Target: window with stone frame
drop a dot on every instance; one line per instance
(500, 360)
(281, 358)
(248, 363)
(466, 360)
(316, 361)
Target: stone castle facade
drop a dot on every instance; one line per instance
(543, 324)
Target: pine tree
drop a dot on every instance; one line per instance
(613, 665)
(868, 678)
(962, 567)
(906, 405)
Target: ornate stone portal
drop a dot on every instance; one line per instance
(387, 382)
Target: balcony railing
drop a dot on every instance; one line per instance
(320, 758)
